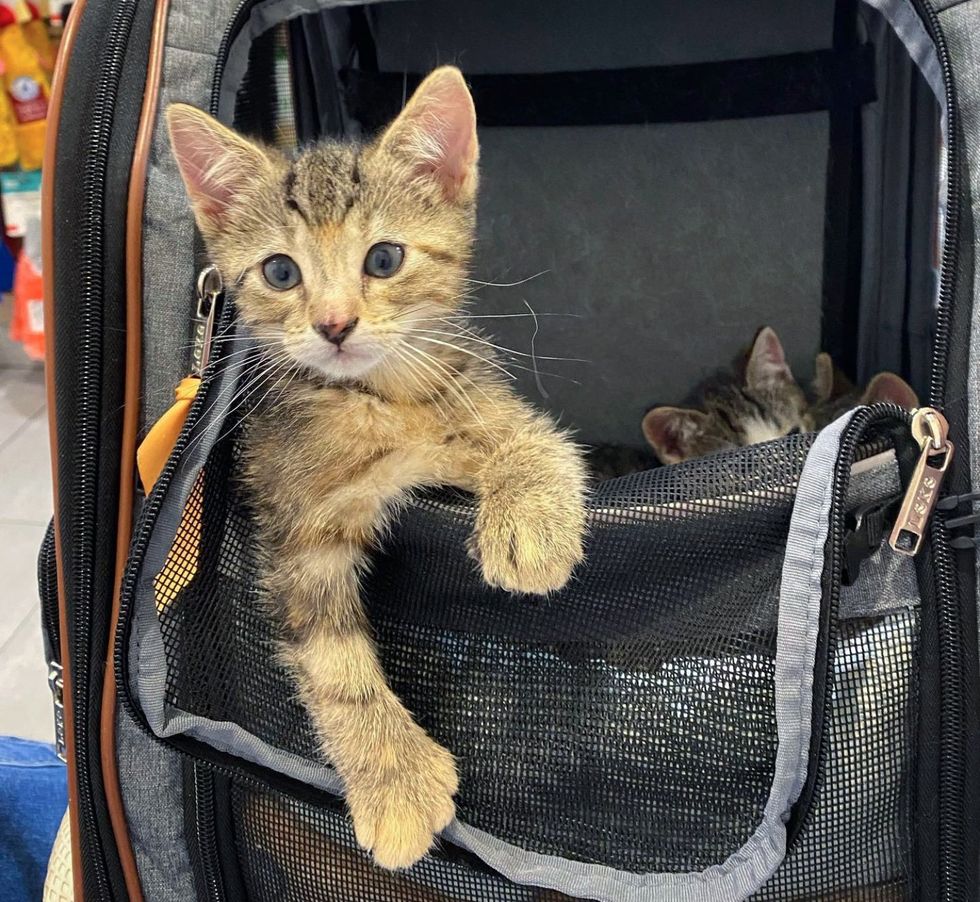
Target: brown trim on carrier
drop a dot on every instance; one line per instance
(130, 428)
(47, 254)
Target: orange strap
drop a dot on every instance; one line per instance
(156, 448)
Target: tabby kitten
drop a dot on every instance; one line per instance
(349, 263)
(761, 401)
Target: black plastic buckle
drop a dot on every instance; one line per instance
(951, 503)
(866, 527)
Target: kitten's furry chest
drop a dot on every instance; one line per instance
(351, 425)
(325, 453)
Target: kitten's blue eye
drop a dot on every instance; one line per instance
(384, 260)
(281, 272)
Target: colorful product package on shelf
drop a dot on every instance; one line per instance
(36, 32)
(8, 129)
(27, 319)
(20, 194)
(27, 88)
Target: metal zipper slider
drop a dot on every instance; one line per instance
(56, 682)
(209, 289)
(931, 431)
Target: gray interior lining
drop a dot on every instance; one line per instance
(631, 243)
(193, 35)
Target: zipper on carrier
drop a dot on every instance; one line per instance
(47, 582)
(205, 831)
(209, 289)
(89, 417)
(237, 23)
(931, 433)
(951, 814)
(56, 683)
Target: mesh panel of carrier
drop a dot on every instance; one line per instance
(857, 842)
(628, 720)
(294, 852)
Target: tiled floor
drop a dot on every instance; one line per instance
(25, 508)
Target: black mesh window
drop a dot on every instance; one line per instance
(292, 851)
(628, 720)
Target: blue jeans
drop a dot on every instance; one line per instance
(33, 797)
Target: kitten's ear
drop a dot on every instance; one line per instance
(436, 134)
(766, 367)
(671, 432)
(829, 381)
(891, 388)
(216, 163)
(823, 377)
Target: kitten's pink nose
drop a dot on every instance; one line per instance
(336, 330)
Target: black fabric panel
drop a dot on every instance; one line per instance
(900, 155)
(842, 233)
(363, 39)
(697, 92)
(316, 95)
(255, 106)
(304, 81)
(923, 201)
(89, 593)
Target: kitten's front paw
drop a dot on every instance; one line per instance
(397, 815)
(530, 543)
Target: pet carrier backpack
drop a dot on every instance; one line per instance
(745, 692)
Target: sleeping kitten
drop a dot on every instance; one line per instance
(762, 401)
(349, 264)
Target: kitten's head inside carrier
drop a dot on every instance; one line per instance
(763, 403)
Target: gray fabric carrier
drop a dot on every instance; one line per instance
(773, 278)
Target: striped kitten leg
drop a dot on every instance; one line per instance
(399, 783)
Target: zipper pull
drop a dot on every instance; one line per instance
(158, 444)
(931, 431)
(209, 289)
(56, 683)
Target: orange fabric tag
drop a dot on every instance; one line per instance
(154, 451)
(156, 448)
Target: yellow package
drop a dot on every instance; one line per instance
(8, 130)
(27, 89)
(20, 9)
(36, 32)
